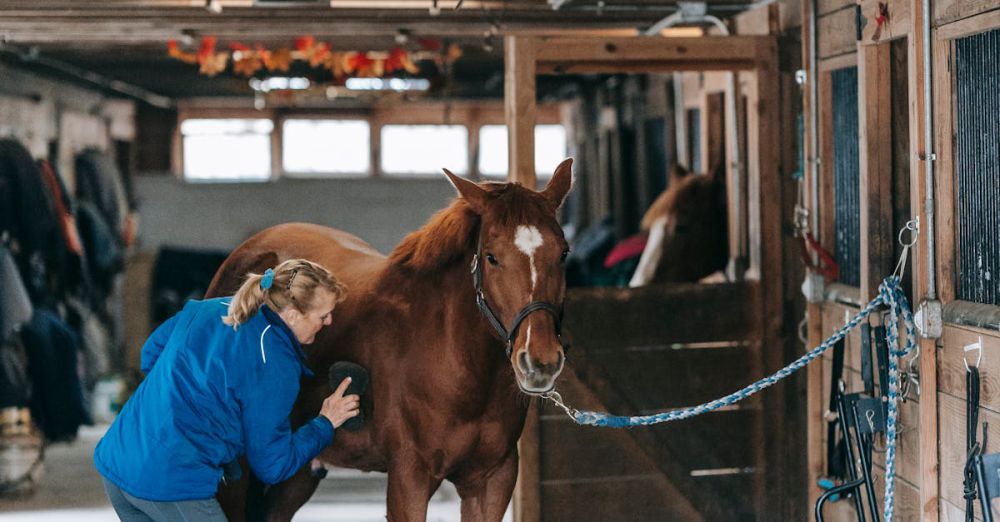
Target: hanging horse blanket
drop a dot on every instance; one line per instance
(28, 216)
(57, 403)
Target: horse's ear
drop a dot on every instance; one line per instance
(718, 172)
(677, 173)
(562, 179)
(472, 193)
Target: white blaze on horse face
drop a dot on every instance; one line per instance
(528, 239)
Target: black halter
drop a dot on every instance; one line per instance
(534, 306)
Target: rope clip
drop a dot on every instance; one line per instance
(913, 226)
(974, 347)
(556, 399)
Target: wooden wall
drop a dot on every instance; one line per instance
(932, 437)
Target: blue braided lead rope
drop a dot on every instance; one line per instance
(899, 308)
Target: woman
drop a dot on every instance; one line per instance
(221, 378)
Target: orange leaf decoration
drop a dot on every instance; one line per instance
(355, 62)
(303, 43)
(249, 63)
(395, 60)
(318, 54)
(279, 60)
(207, 49)
(214, 64)
(178, 54)
(335, 63)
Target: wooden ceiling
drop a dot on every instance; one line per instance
(126, 40)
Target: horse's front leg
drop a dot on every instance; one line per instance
(486, 494)
(411, 485)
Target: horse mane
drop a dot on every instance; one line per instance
(451, 233)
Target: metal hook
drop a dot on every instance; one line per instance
(557, 400)
(976, 346)
(913, 226)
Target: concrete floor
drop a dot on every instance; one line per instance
(71, 489)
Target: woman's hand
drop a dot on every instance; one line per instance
(338, 408)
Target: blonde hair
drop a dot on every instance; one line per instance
(294, 284)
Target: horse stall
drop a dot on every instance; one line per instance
(641, 350)
(884, 151)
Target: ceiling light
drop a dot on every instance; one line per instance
(387, 84)
(279, 83)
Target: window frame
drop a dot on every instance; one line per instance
(340, 116)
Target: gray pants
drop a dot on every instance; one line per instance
(131, 509)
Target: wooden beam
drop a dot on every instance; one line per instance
(527, 491)
(651, 54)
(968, 27)
(944, 175)
(929, 443)
(836, 32)
(713, 131)
(519, 113)
(520, 108)
(875, 160)
(606, 317)
(764, 198)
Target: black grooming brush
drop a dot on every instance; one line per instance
(359, 383)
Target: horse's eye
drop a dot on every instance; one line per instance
(565, 254)
(493, 260)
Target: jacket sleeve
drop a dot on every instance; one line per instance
(275, 452)
(153, 347)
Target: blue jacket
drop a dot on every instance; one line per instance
(210, 395)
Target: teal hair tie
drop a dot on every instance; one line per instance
(268, 278)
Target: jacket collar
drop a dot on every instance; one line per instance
(273, 318)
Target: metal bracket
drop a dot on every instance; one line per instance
(974, 347)
(929, 319)
(814, 287)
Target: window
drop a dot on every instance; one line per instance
(550, 149)
(846, 175)
(313, 147)
(424, 149)
(227, 149)
(977, 160)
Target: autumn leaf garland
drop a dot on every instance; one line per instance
(247, 60)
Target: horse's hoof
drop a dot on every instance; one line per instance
(359, 383)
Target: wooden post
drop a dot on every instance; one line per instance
(519, 108)
(519, 112)
(815, 426)
(713, 133)
(764, 185)
(875, 160)
(929, 490)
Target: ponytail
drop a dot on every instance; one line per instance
(292, 283)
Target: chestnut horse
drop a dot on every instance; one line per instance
(687, 229)
(447, 397)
